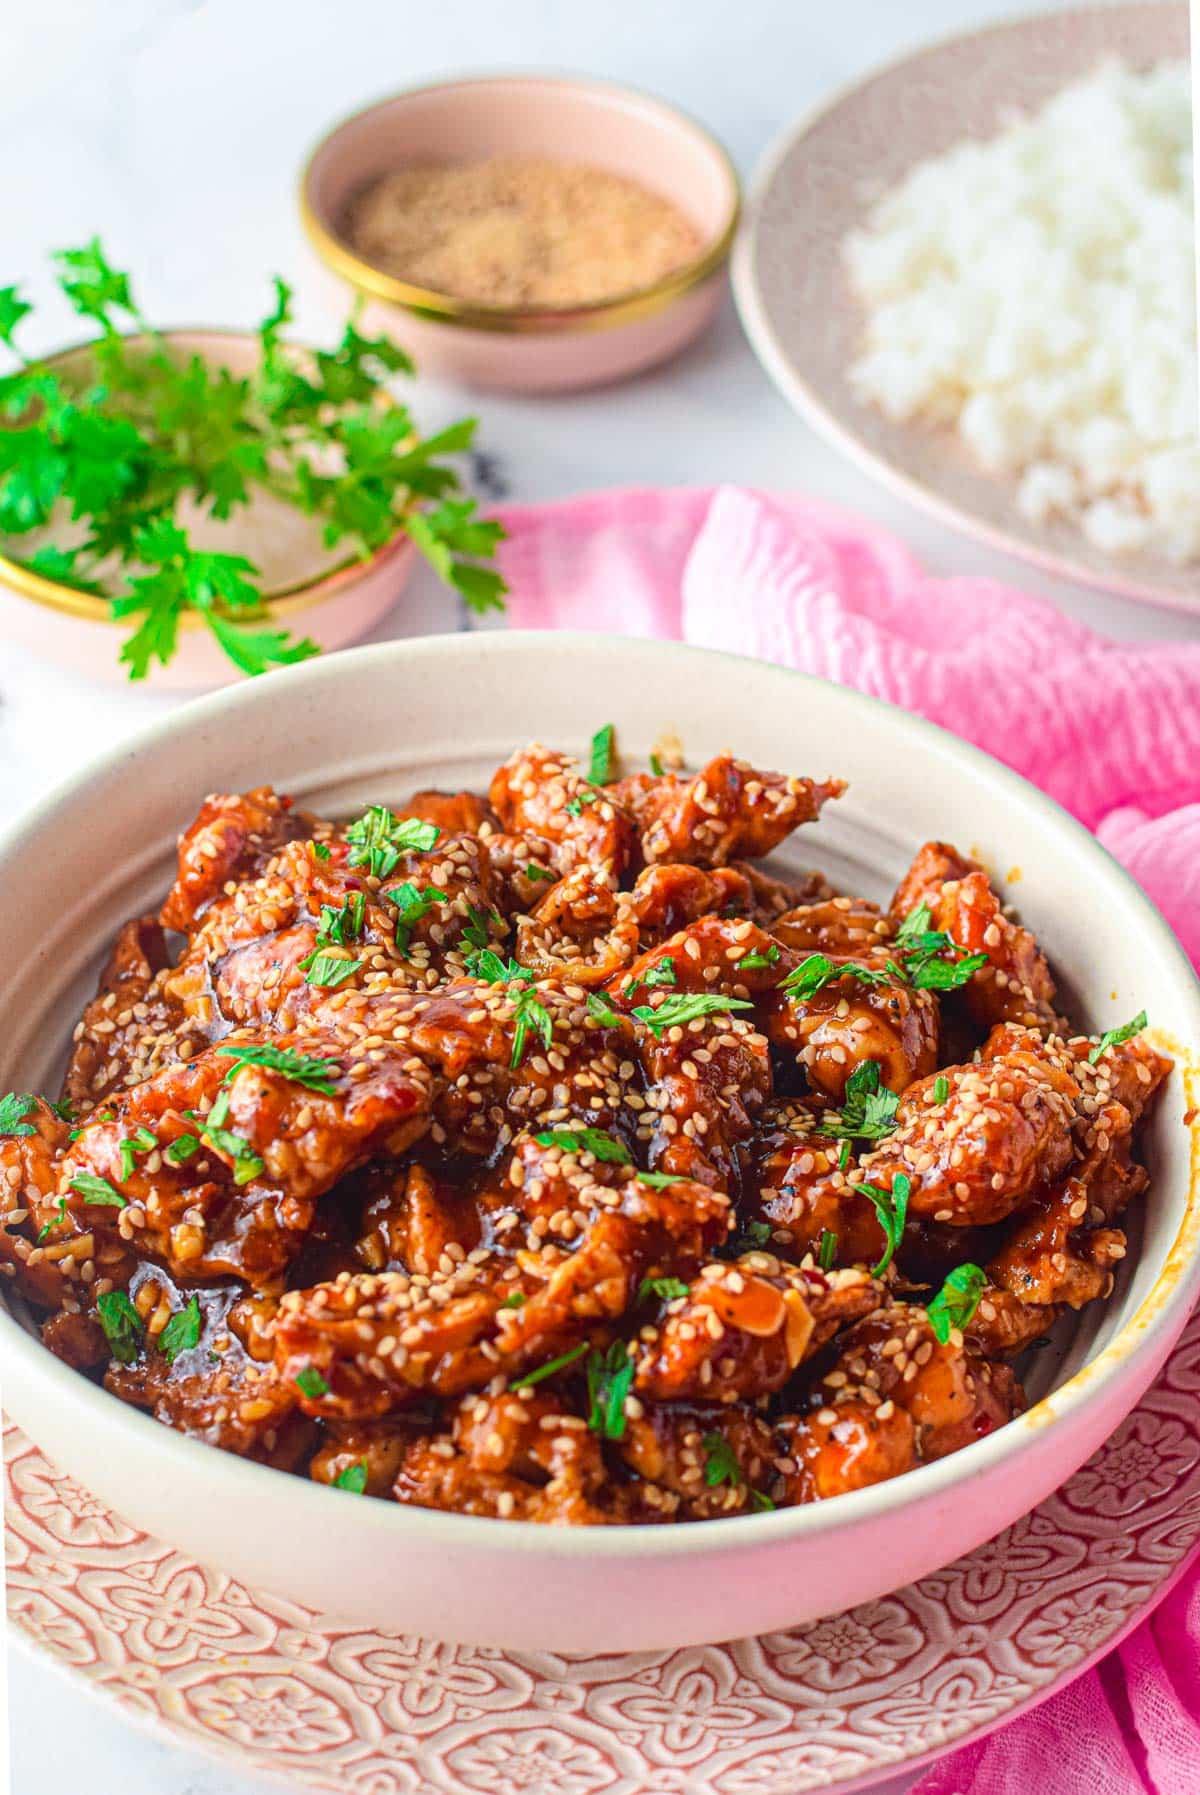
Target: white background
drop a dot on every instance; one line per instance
(175, 129)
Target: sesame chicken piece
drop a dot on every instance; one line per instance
(892, 1361)
(774, 897)
(745, 1326)
(522, 869)
(241, 1200)
(454, 813)
(1003, 1129)
(669, 895)
(707, 1461)
(539, 792)
(707, 1080)
(232, 838)
(1015, 985)
(730, 811)
(1051, 1257)
(413, 1222)
(707, 955)
(53, 1259)
(514, 1458)
(846, 1023)
(1004, 1325)
(378, 1447)
(805, 1192)
(132, 1026)
(581, 930)
(842, 927)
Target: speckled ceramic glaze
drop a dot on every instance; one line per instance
(511, 348)
(444, 711)
(817, 184)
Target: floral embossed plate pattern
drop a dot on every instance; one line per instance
(817, 183)
(831, 1705)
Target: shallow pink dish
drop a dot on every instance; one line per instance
(817, 183)
(518, 349)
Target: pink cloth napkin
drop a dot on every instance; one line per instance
(1111, 731)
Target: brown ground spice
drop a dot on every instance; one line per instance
(513, 231)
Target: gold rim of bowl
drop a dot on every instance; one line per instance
(280, 601)
(444, 308)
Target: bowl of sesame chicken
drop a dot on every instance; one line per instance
(605, 1192)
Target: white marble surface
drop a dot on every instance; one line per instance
(175, 129)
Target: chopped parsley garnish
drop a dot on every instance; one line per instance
(1112, 1037)
(60, 1215)
(97, 1191)
(720, 1461)
(868, 1108)
(246, 1162)
(609, 1375)
(13, 1107)
(123, 1326)
(310, 1383)
(313, 1074)
(667, 1289)
(182, 1332)
(64, 1109)
(140, 1141)
(600, 764)
(656, 766)
(321, 850)
(957, 1300)
(523, 1380)
(486, 964)
(658, 1180)
(816, 971)
(748, 1239)
(827, 1250)
(530, 1016)
(927, 960)
(575, 805)
(749, 961)
(412, 905)
(534, 871)
(892, 1208)
(515, 1301)
(182, 1149)
(476, 931)
(602, 1146)
(327, 971)
(378, 839)
(353, 1478)
(673, 1012)
(759, 1500)
(844, 1155)
(941, 1088)
(602, 1010)
(661, 974)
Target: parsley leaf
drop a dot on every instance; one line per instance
(60, 1215)
(485, 964)
(667, 1289)
(412, 905)
(816, 971)
(246, 1163)
(868, 1108)
(97, 1191)
(310, 1383)
(531, 1015)
(827, 1250)
(658, 1180)
(378, 839)
(602, 1010)
(674, 1012)
(601, 761)
(326, 971)
(123, 1326)
(957, 1300)
(750, 961)
(182, 1332)
(181, 1149)
(604, 1147)
(720, 1461)
(534, 871)
(313, 1074)
(1114, 1037)
(663, 973)
(609, 1376)
(12, 1108)
(892, 1208)
(941, 1088)
(352, 1478)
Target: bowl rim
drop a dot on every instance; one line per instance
(280, 601)
(444, 308)
(1163, 1309)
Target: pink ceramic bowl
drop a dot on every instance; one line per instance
(377, 722)
(519, 349)
(311, 591)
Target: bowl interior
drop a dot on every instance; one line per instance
(375, 723)
(624, 132)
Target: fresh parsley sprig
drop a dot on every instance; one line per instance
(957, 1300)
(378, 839)
(602, 1146)
(688, 1006)
(1114, 1037)
(609, 1376)
(925, 960)
(891, 1207)
(314, 1074)
(14, 1107)
(117, 450)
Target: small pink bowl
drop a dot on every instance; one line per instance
(521, 349)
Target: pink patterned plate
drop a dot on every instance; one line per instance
(832, 1705)
(817, 183)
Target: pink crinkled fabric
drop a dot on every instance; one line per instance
(1109, 729)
